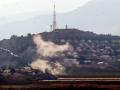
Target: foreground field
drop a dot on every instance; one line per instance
(67, 84)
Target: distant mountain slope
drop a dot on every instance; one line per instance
(100, 16)
(24, 26)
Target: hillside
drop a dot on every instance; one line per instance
(99, 53)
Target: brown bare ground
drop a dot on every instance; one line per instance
(66, 85)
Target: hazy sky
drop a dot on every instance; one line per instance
(13, 7)
(12, 11)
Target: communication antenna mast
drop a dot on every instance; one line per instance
(54, 18)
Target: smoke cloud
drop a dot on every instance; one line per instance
(49, 49)
(45, 65)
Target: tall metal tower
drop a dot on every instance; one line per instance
(54, 18)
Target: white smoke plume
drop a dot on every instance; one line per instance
(48, 49)
(43, 65)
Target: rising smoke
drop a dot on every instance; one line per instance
(43, 65)
(50, 49)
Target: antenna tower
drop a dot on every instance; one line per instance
(54, 18)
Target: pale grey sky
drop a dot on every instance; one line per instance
(13, 11)
(13, 7)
